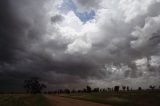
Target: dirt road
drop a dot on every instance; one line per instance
(61, 101)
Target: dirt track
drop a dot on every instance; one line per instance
(61, 101)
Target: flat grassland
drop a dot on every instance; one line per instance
(131, 98)
(22, 100)
(127, 98)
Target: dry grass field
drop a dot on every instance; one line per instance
(22, 100)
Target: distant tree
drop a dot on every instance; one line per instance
(67, 91)
(101, 90)
(139, 88)
(80, 91)
(89, 89)
(124, 88)
(112, 89)
(73, 91)
(104, 89)
(109, 89)
(127, 88)
(33, 85)
(152, 87)
(84, 90)
(116, 88)
(96, 90)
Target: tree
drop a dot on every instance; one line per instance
(152, 87)
(116, 88)
(67, 91)
(33, 85)
(124, 88)
(96, 90)
(109, 89)
(89, 89)
(127, 88)
(139, 88)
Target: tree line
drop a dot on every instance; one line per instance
(34, 86)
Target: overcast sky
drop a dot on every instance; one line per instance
(72, 43)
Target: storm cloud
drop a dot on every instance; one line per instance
(120, 45)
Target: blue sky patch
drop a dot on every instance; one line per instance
(69, 5)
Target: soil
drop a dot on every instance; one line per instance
(62, 101)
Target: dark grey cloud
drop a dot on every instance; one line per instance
(16, 34)
(25, 53)
(84, 5)
(57, 18)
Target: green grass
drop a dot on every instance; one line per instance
(22, 100)
(134, 98)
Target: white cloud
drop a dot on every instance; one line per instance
(155, 61)
(79, 46)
